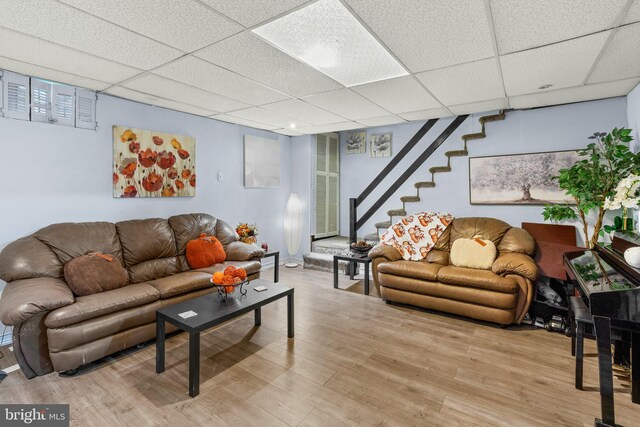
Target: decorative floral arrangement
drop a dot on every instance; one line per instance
(229, 278)
(627, 194)
(246, 230)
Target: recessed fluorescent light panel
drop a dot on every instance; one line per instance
(328, 37)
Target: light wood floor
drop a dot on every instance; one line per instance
(354, 360)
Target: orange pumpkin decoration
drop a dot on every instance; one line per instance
(217, 277)
(205, 252)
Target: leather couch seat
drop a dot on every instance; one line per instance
(90, 306)
(181, 283)
(481, 279)
(419, 270)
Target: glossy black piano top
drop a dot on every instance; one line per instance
(597, 275)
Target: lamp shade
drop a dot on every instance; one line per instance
(293, 224)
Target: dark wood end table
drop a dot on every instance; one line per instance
(276, 267)
(212, 311)
(353, 260)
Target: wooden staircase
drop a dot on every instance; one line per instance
(435, 170)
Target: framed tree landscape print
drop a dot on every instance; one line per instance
(152, 164)
(519, 179)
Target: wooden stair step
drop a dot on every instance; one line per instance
(491, 118)
(385, 224)
(397, 212)
(471, 136)
(438, 169)
(371, 237)
(425, 184)
(410, 199)
(456, 153)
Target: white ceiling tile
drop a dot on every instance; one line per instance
(621, 58)
(563, 64)
(382, 121)
(479, 107)
(398, 95)
(574, 94)
(268, 117)
(287, 132)
(346, 103)
(144, 98)
(49, 74)
(634, 13)
(464, 83)
(204, 75)
(185, 25)
(303, 111)
(333, 127)
(433, 113)
(46, 54)
(429, 34)
(252, 57)
(522, 25)
(169, 89)
(65, 25)
(252, 12)
(243, 122)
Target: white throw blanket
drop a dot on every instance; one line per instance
(415, 235)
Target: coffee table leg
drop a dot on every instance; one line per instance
(194, 364)
(366, 278)
(335, 272)
(290, 325)
(276, 269)
(258, 316)
(159, 345)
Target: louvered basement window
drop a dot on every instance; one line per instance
(15, 96)
(85, 109)
(40, 101)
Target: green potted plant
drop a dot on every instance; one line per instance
(593, 178)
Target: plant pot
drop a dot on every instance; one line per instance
(251, 240)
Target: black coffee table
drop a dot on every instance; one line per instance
(212, 311)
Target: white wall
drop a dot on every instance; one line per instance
(545, 129)
(633, 116)
(301, 182)
(55, 173)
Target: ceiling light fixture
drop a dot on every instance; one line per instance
(547, 86)
(292, 125)
(328, 37)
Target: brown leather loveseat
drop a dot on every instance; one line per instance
(502, 294)
(57, 331)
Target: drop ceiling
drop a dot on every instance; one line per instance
(208, 57)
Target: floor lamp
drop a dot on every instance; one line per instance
(292, 225)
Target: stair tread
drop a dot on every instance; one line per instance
(436, 169)
(491, 118)
(397, 212)
(410, 199)
(425, 184)
(471, 136)
(456, 153)
(385, 224)
(371, 237)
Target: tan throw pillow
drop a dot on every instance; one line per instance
(473, 253)
(95, 272)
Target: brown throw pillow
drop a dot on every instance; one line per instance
(95, 272)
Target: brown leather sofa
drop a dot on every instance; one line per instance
(57, 331)
(502, 294)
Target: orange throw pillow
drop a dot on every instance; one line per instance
(205, 251)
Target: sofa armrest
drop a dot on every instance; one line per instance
(239, 251)
(515, 263)
(22, 299)
(385, 251)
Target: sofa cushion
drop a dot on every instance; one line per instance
(181, 283)
(28, 258)
(251, 267)
(417, 269)
(487, 228)
(188, 227)
(473, 253)
(95, 272)
(149, 248)
(482, 279)
(70, 240)
(90, 306)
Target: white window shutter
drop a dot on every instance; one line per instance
(16, 95)
(64, 105)
(40, 101)
(85, 109)
(1, 97)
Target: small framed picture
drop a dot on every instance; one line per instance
(356, 142)
(380, 144)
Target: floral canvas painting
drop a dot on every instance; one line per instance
(355, 142)
(152, 164)
(380, 144)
